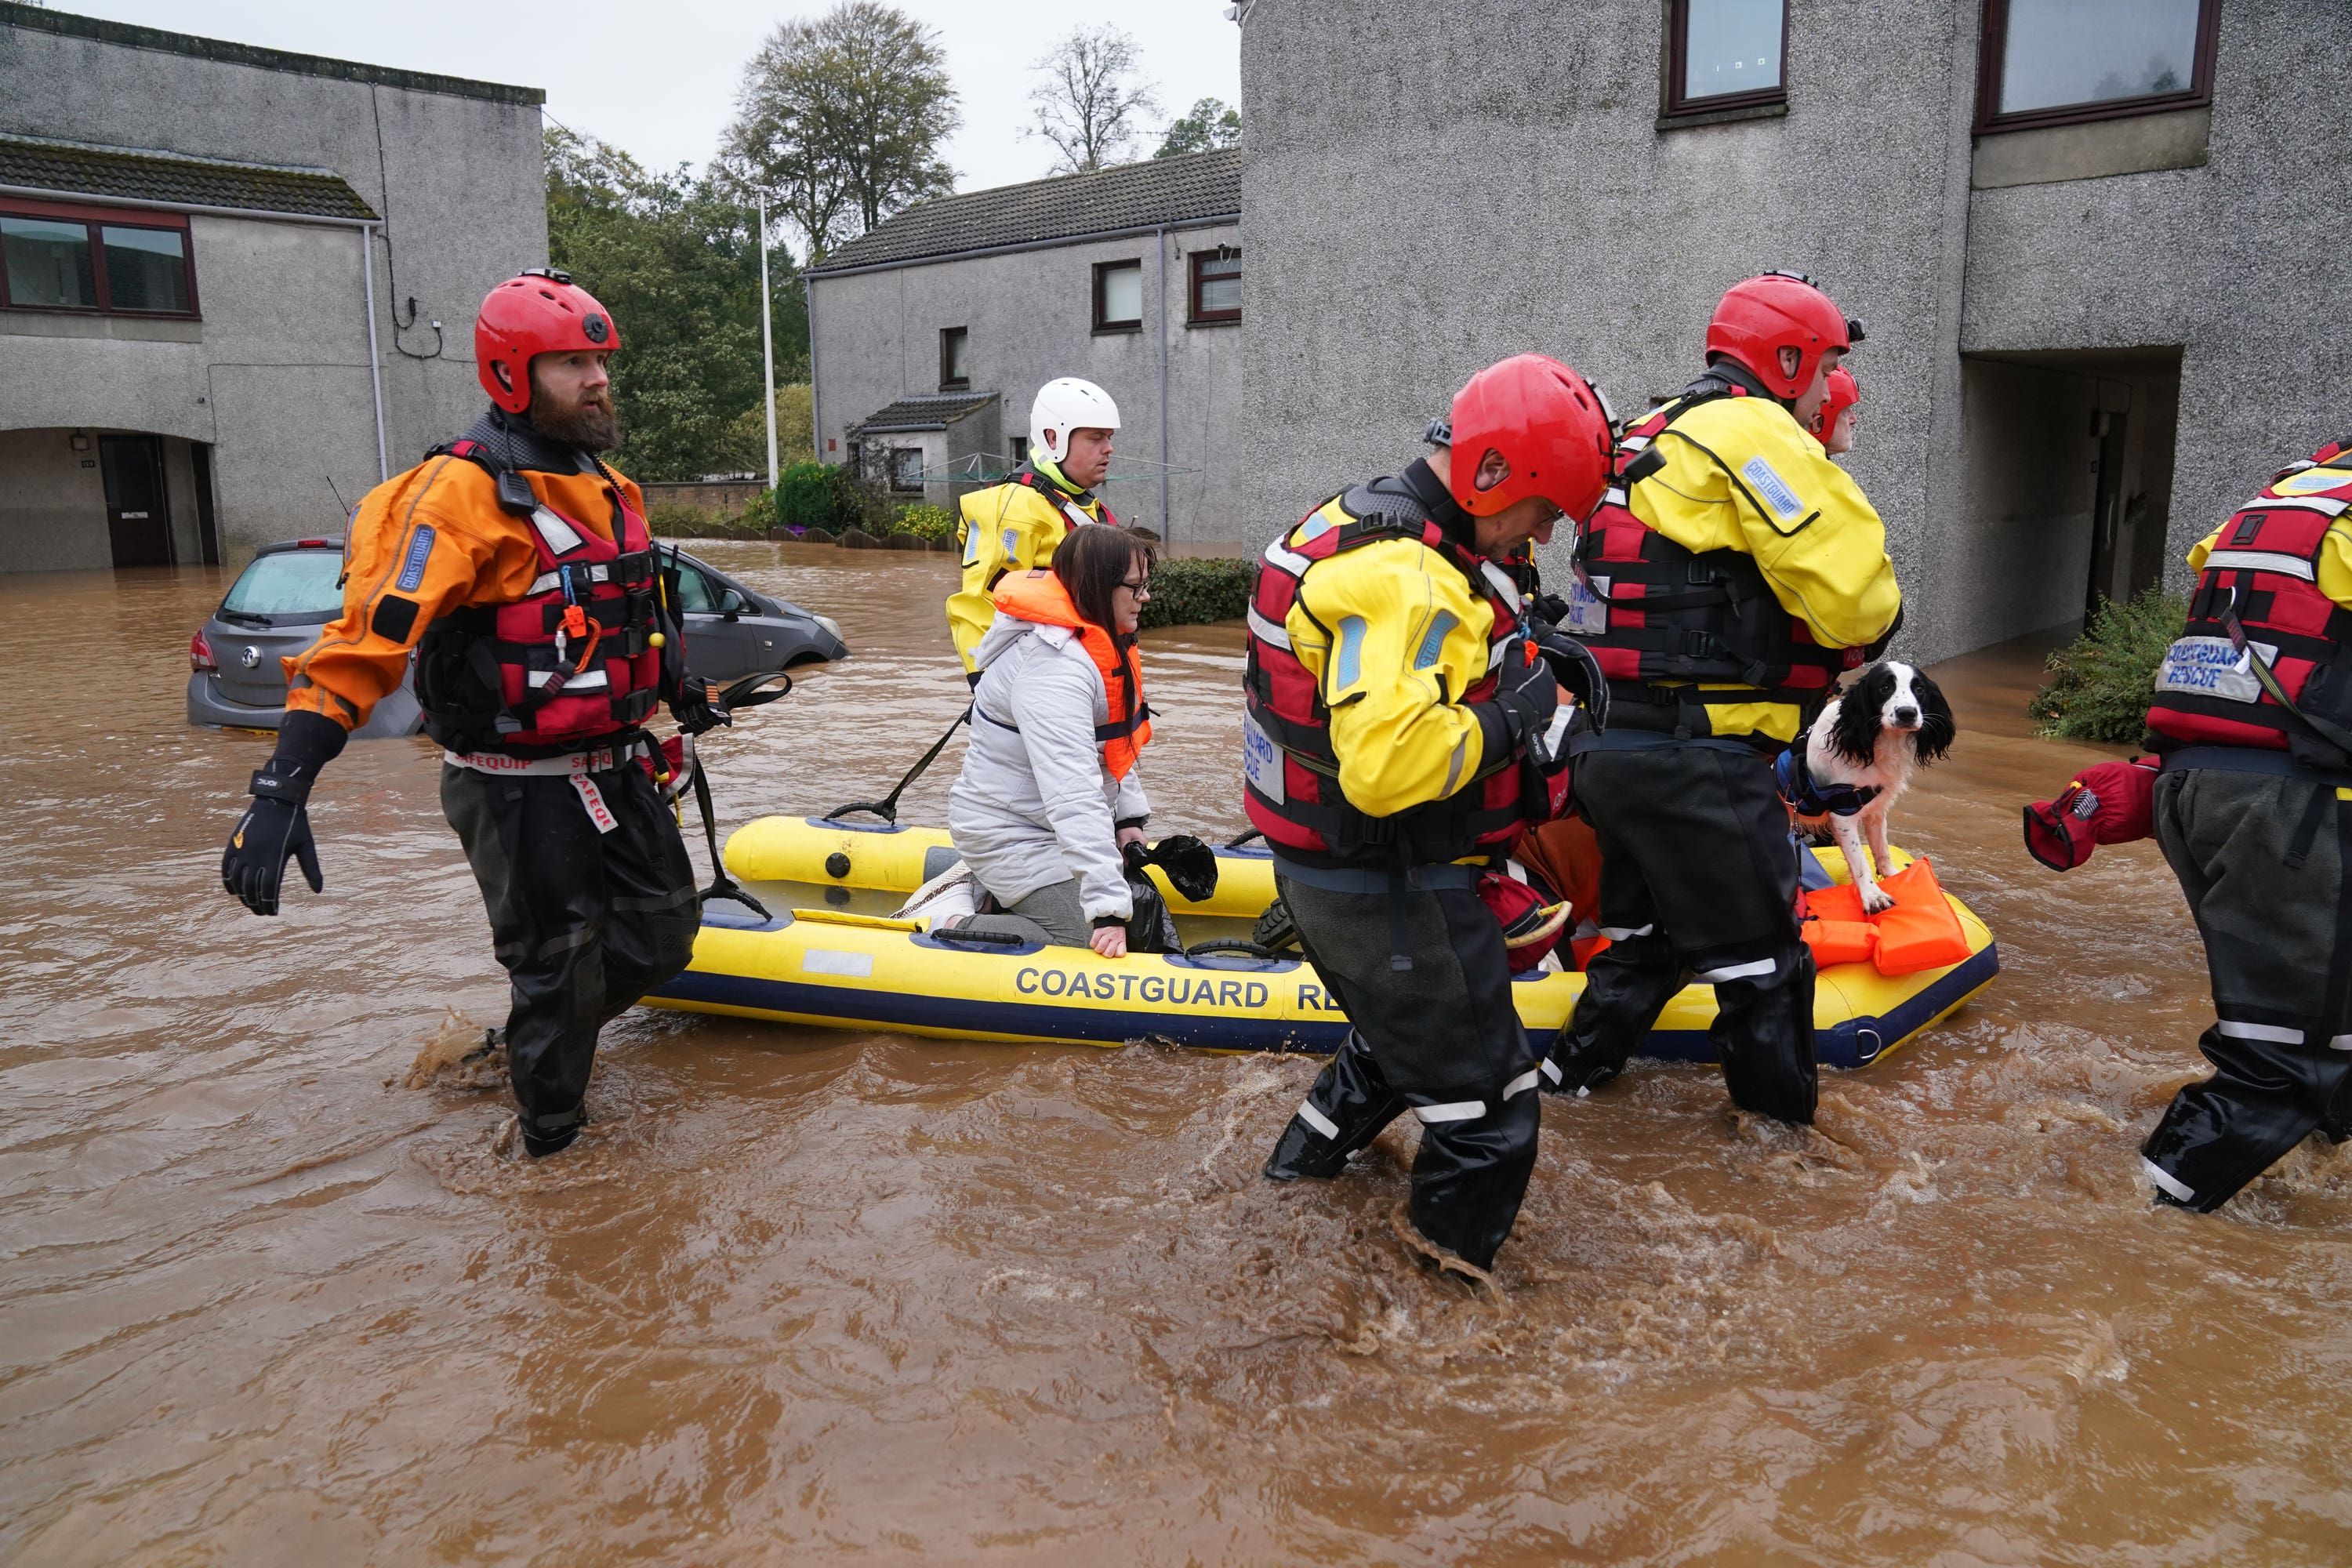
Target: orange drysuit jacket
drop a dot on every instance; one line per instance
(397, 578)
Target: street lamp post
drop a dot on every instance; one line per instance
(767, 345)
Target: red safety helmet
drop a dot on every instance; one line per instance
(1758, 318)
(1843, 394)
(541, 311)
(1549, 425)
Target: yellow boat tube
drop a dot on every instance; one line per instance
(836, 969)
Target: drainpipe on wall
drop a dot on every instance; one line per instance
(816, 424)
(1167, 533)
(376, 367)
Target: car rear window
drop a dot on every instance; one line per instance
(290, 582)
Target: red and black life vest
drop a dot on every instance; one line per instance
(2260, 588)
(574, 660)
(1653, 612)
(1291, 773)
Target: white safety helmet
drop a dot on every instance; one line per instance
(1063, 405)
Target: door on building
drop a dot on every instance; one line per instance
(138, 516)
(200, 463)
(2111, 541)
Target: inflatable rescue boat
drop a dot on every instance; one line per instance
(840, 968)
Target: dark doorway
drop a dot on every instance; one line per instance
(2111, 545)
(200, 460)
(138, 517)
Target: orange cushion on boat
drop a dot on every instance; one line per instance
(1841, 941)
(1841, 902)
(1921, 932)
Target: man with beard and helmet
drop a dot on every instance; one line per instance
(1731, 574)
(517, 568)
(1402, 725)
(1016, 526)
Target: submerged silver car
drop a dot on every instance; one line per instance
(279, 603)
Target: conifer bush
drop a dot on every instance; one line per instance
(2100, 683)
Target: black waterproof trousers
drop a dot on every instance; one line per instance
(585, 920)
(1441, 1038)
(1698, 880)
(2262, 860)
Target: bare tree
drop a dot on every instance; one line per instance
(839, 121)
(1091, 100)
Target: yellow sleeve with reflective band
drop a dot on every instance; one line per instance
(2335, 559)
(1005, 527)
(414, 554)
(1741, 474)
(1393, 637)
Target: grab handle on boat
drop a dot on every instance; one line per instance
(987, 938)
(1200, 951)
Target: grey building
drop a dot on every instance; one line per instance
(933, 331)
(2095, 243)
(236, 286)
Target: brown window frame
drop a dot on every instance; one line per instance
(1102, 268)
(957, 335)
(1677, 106)
(1992, 43)
(94, 218)
(1195, 315)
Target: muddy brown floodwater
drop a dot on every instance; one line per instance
(803, 1295)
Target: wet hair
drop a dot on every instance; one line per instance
(1092, 562)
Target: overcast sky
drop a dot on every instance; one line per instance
(658, 77)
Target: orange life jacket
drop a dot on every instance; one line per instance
(1039, 596)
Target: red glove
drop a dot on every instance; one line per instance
(2113, 803)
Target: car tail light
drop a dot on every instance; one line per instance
(314, 544)
(200, 653)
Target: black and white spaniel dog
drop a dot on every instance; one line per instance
(1859, 756)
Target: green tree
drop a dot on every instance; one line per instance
(678, 263)
(839, 121)
(1089, 98)
(743, 449)
(1209, 125)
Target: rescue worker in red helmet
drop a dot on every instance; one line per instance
(2253, 717)
(1402, 727)
(1730, 575)
(516, 566)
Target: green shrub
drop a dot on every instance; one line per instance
(828, 496)
(927, 522)
(2100, 684)
(676, 519)
(1193, 590)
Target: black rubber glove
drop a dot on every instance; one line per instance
(1548, 608)
(697, 709)
(276, 827)
(1524, 704)
(1574, 665)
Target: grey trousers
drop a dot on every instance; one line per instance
(1054, 915)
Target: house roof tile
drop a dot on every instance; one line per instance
(1066, 207)
(926, 412)
(142, 174)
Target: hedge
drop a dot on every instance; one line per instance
(1192, 590)
(2100, 684)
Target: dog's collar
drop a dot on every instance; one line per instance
(1809, 795)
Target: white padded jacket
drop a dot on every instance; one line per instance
(1034, 805)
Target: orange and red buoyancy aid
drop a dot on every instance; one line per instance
(578, 658)
(2258, 596)
(1039, 596)
(1665, 621)
(1291, 772)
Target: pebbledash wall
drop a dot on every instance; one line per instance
(1431, 188)
(1014, 268)
(274, 375)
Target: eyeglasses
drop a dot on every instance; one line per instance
(1140, 590)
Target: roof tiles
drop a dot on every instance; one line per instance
(126, 174)
(1066, 207)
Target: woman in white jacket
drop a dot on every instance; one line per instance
(1049, 795)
